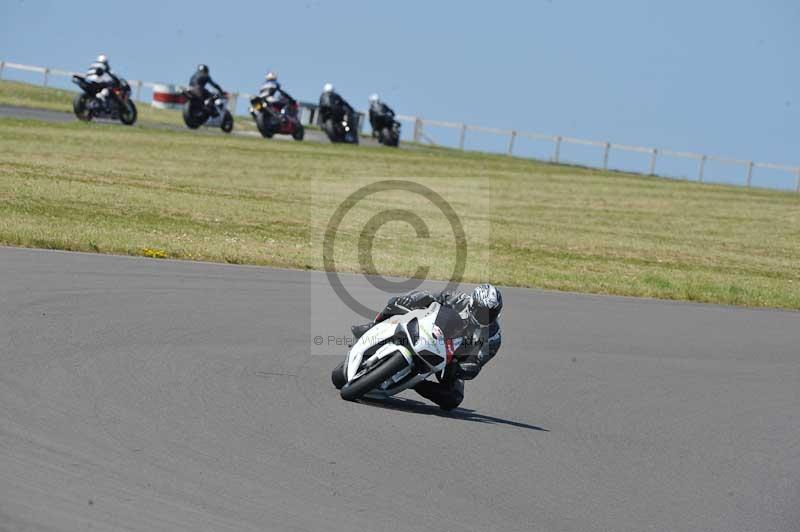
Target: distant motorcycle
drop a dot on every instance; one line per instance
(341, 130)
(275, 117)
(212, 112)
(99, 101)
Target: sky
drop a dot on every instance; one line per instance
(717, 77)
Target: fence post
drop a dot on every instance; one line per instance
(557, 152)
(2, 66)
(417, 129)
(233, 98)
(46, 75)
(605, 155)
(702, 167)
(463, 136)
(653, 156)
(797, 182)
(511, 142)
(749, 173)
(138, 96)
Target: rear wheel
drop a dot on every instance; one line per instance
(227, 122)
(128, 113)
(299, 132)
(387, 367)
(80, 104)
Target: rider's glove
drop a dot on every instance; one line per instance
(414, 300)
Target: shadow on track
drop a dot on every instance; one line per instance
(418, 407)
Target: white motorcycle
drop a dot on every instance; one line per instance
(399, 352)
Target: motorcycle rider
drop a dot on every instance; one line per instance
(99, 72)
(480, 342)
(197, 85)
(331, 105)
(274, 94)
(380, 115)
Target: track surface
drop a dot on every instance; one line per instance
(151, 395)
(49, 115)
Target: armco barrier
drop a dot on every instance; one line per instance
(309, 116)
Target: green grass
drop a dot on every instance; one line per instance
(153, 192)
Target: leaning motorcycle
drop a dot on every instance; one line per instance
(275, 117)
(341, 130)
(398, 353)
(212, 112)
(99, 101)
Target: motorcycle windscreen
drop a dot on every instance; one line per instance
(450, 322)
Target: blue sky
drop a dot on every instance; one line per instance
(720, 77)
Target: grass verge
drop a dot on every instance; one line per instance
(163, 193)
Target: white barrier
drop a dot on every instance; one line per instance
(309, 116)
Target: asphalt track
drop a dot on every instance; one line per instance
(48, 115)
(150, 395)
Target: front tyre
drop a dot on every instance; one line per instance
(80, 105)
(264, 125)
(299, 133)
(128, 113)
(378, 374)
(227, 122)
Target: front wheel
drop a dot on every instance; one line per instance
(80, 105)
(299, 132)
(378, 374)
(264, 125)
(128, 113)
(227, 122)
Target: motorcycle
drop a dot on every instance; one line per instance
(212, 112)
(274, 117)
(99, 101)
(344, 130)
(400, 352)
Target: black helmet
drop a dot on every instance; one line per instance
(202, 68)
(486, 304)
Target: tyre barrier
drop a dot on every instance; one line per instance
(168, 96)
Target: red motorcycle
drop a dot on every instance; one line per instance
(273, 116)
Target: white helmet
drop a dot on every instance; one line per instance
(328, 87)
(374, 98)
(271, 76)
(102, 58)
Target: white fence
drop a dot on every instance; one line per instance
(420, 135)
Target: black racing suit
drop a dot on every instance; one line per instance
(197, 84)
(479, 345)
(380, 116)
(331, 105)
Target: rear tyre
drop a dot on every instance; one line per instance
(80, 105)
(227, 122)
(128, 113)
(299, 133)
(378, 374)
